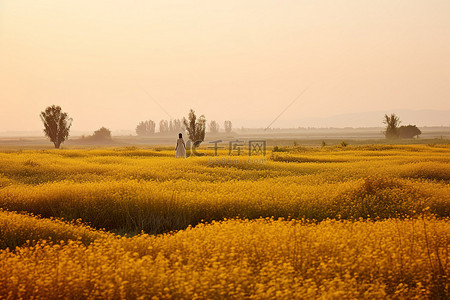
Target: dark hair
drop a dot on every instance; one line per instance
(180, 136)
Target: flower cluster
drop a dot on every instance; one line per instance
(241, 259)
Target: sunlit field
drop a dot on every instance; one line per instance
(369, 221)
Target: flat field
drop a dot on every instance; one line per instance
(368, 221)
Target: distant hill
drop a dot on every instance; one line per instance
(375, 119)
(420, 118)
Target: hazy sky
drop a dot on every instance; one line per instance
(238, 60)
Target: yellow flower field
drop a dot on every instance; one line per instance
(239, 259)
(334, 222)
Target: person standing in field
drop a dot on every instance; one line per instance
(181, 147)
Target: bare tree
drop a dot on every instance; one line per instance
(392, 123)
(213, 127)
(195, 127)
(228, 126)
(175, 126)
(56, 124)
(164, 126)
(145, 128)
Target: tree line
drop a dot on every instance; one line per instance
(148, 127)
(57, 126)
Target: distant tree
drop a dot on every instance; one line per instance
(214, 127)
(178, 125)
(103, 134)
(228, 126)
(175, 126)
(145, 128)
(195, 127)
(392, 123)
(408, 132)
(56, 124)
(164, 126)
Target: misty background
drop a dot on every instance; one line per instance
(114, 63)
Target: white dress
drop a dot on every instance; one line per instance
(181, 149)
